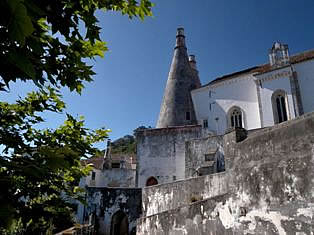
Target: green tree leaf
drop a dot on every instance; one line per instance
(37, 166)
(20, 25)
(22, 62)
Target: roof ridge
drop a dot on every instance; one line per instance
(296, 58)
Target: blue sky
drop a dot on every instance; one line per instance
(225, 35)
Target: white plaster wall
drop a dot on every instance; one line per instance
(156, 158)
(160, 198)
(201, 100)
(239, 91)
(305, 73)
(267, 89)
(163, 155)
(116, 177)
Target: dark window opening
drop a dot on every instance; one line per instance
(93, 175)
(187, 116)
(279, 110)
(236, 118)
(209, 157)
(115, 165)
(284, 111)
(205, 123)
(280, 105)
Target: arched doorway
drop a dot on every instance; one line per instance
(119, 224)
(151, 181)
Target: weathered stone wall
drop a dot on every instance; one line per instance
(103, 203)
(204, 153)
(191, 219)
(161, 152)
(271, 187)
(169, 196)
(222, 216)
(272, 175)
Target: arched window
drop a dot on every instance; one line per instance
(280, 104)
(151, 181)
(119, 224)
(235, 117)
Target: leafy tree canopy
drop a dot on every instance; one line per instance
(41, 42)
(38, 166)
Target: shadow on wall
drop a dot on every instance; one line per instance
(112, 210)
(220, 162)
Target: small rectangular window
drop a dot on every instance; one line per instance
(115, 165)
(209, 157)
(187, 116)
(93, 175)
(205, 123)
(174, 178)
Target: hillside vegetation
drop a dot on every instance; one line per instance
(126, 145)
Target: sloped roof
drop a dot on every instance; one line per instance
(131, 158)
(96, 161)
(307, 55)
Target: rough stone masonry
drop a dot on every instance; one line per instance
(270, 188)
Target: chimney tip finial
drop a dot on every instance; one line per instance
(180, 38)
(180, 31)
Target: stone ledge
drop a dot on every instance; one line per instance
(158, 198)
(170, 129)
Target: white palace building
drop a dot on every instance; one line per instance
(260, 96)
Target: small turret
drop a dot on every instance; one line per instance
(177, 107)
(279, 54)
(196, 78)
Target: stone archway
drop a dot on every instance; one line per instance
(151, 181)
(119, 224)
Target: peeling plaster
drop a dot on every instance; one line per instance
(307, 212)
(272, 216)
(270, 188)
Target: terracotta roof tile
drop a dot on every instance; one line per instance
(96, 161)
